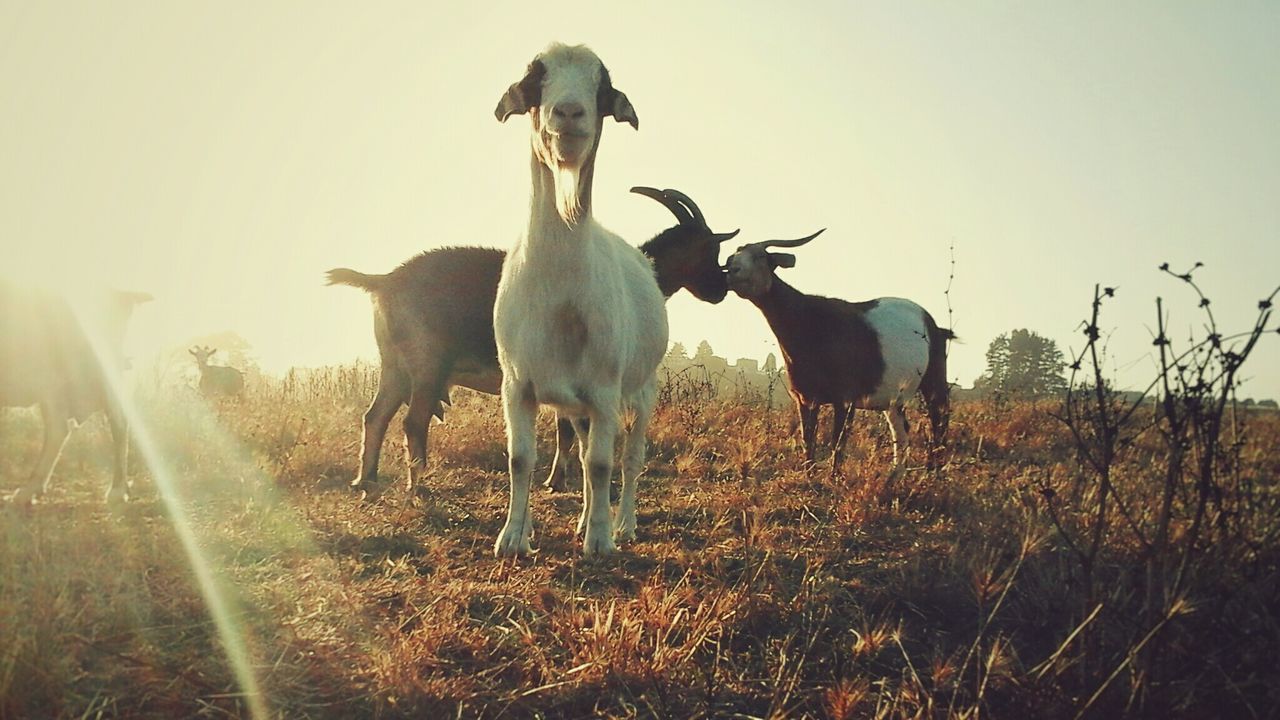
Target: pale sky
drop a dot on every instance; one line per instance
(223, 155)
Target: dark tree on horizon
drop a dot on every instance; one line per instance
(704, 351)
(1023, 364)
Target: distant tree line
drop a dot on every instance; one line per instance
(1023, 364)
(746, 375)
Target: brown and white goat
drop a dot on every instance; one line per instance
(871, 355)
(217, 380)
(65, 357)
(433, 322)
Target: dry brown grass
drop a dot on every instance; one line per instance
(757, 587)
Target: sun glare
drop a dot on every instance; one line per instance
(215, 597)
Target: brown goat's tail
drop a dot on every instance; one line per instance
(347, 276)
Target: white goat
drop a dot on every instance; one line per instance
(579, 320)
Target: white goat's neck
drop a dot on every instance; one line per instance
(546, 223)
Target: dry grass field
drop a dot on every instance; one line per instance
(757, 587)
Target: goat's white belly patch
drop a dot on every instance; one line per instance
(904, 345)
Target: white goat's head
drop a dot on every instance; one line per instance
(567, 93)
(751, 266)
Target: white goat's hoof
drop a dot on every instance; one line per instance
(511, 543)
(598, 542)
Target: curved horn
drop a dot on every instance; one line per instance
(688, 204)
(721, 237)
(789, 243)
(681, 213)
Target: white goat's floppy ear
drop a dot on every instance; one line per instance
(782, 260)
(522, 95)
(612, 101)
(620, 108)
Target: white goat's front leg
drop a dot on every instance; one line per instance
(521, 412)
(56, 431)
(633, 454)
(597, 537)
(898, 428)
(119, 490)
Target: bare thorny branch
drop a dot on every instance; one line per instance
(951, 277)
(1193, 390)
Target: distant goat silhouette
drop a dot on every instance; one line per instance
(217, 380)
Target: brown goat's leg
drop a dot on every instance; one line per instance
(393, 391)
(840, 428)
(119, 490)
(937, 396)
(560, 466)
(55, 437)
(429, 390)
(939, 419)
(809, 429)
(416, 423)
(939, 415)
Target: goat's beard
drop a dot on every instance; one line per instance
(568, 200)
(566, 174)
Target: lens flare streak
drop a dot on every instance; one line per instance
(230, 633)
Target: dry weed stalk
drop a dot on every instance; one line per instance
(1206, 513)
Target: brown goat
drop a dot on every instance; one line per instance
(870, 355)
(65, 358)
(433, 322)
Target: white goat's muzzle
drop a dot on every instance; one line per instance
(570, 148)
(568, 144)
